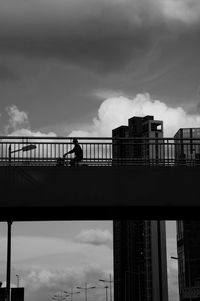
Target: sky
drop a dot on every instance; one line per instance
(85, 66)
(52, 257)
(82, 68)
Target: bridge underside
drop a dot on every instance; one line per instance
(72, 193)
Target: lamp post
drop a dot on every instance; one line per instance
(8, 261)
(106, 290)
(9, 222)
(24, 149)
(60, 297)
(188, 266)
(110, 281)
(106, 287)
(17, 280)
(71, 293)
(86, 288)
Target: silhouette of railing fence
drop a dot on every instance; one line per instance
(106, 151)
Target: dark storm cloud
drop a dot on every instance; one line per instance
(100, 50)
(102, 35)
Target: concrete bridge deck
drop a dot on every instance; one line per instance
(107, 192)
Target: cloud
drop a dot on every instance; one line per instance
(55, 278)
(17, 118)
(116, 111)
(95, 237)
(31, 133)
(105, 36)
(42, 284)
(56, 254)
(18, 124)
(49, 265)
(186, 11)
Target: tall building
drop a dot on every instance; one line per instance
(142, 148)
(140, 266)
(188, 248)
(187, 151)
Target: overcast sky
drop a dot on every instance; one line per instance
(83, 67)
(51, 257)
(64, 62)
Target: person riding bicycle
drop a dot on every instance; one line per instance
(78, 153)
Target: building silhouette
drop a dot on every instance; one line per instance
(187, 151)
(142, 148)
(17, 293)
(188, 249)
(140, 265)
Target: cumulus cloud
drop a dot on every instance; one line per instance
(31, 133)
(36, 279)
(48, 265)
(18, 124)
(17, 118)
(186, 11)
(95, 237)
(41, 284)
(116, 111)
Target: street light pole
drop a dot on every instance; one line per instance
(110, 283)
(110, 288)
(188, 266)
(17, 280)
(106, 287)
(86, 288)
(8, 261)
(9, 222)
(24, 149)
(71, 293)
(60, 297)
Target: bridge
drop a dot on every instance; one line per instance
(132, 177)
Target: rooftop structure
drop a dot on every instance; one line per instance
(144, 148)
(187, 145)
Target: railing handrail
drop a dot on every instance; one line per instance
(117, 150)
(93, 138)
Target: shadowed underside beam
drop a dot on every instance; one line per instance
(59, 193)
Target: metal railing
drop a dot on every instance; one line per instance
(48, 151)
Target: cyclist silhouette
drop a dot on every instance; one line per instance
(78, 153)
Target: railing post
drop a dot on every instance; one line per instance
(9, 154)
